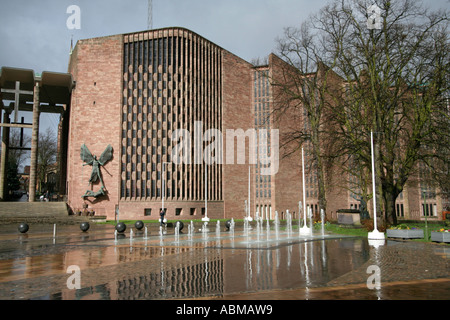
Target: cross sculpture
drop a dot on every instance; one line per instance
(17, 92)
(91, 160)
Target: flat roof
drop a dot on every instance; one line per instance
(55, 86)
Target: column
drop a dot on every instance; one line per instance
(34, 144)
(4, 159)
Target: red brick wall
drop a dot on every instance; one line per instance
(96, 65)
(288, 188)
(237, 114)
(135, 210)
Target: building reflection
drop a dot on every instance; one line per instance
(180, 272)
(305, 264)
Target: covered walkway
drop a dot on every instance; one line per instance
(23, 90)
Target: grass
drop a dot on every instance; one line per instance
(363, 232)
(348, 231)
(328, 226)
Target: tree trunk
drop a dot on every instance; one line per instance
(389, 205)
(322, 192)
(315, 140)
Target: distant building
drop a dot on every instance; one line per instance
(25, 178)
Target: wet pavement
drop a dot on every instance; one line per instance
(261, 263)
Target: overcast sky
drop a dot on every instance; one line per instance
(34, 34)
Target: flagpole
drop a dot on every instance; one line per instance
(304, 230)
(206, 219)
(375, 234)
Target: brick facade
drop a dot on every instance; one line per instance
(95, 119)
(133, 91)
(99, 117)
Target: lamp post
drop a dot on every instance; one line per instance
(375, 234)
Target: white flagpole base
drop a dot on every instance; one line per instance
(305, 231)
(376, 235)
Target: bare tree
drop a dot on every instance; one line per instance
(395, 80)
(264, 61)
(17, 154)
(302, 85)
(392, 82)
(47, 152)
(18, 145)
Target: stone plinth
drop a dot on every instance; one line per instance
(405, 233)
(440, 236)
(349, 219)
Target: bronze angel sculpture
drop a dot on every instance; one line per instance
(91, 160)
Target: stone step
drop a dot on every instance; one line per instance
(33, 208)
(37, 212)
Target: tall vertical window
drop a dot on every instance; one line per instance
(261, 102)
(171, 78)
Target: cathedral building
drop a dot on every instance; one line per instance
(166, 119)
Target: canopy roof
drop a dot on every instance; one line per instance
(55, 87)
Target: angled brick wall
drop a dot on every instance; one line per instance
(96, 65)
(237, 114)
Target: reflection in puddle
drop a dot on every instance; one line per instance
(190, 273)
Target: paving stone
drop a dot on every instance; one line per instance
(34, 266)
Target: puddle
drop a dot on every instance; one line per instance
(214, 272)
(186, 266)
